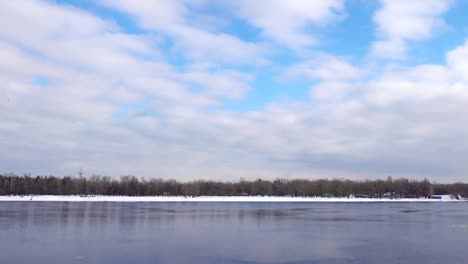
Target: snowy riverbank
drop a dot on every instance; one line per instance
(53, 198)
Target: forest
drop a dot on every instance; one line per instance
(12, 184)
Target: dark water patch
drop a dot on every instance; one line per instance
(408, 211)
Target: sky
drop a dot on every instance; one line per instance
(223, 90)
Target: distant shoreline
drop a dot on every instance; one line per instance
(75, 198)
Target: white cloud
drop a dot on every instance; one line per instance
(288, 22)
(217, 48)
(160, 15)
(227, 84)
(458, 60)
(176, 20)
(400, 21)
(325, 67)
(285, 22)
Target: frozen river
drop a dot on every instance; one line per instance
(206, 232)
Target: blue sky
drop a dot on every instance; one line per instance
(229, 89)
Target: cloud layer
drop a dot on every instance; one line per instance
(142, 88)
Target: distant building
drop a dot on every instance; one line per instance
(443, 197)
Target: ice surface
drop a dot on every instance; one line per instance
(51, 198)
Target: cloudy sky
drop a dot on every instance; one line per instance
(219, 89)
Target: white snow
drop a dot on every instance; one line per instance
(53, 198)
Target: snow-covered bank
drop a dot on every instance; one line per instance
(53, 198)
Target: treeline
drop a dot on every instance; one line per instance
(11, 184)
